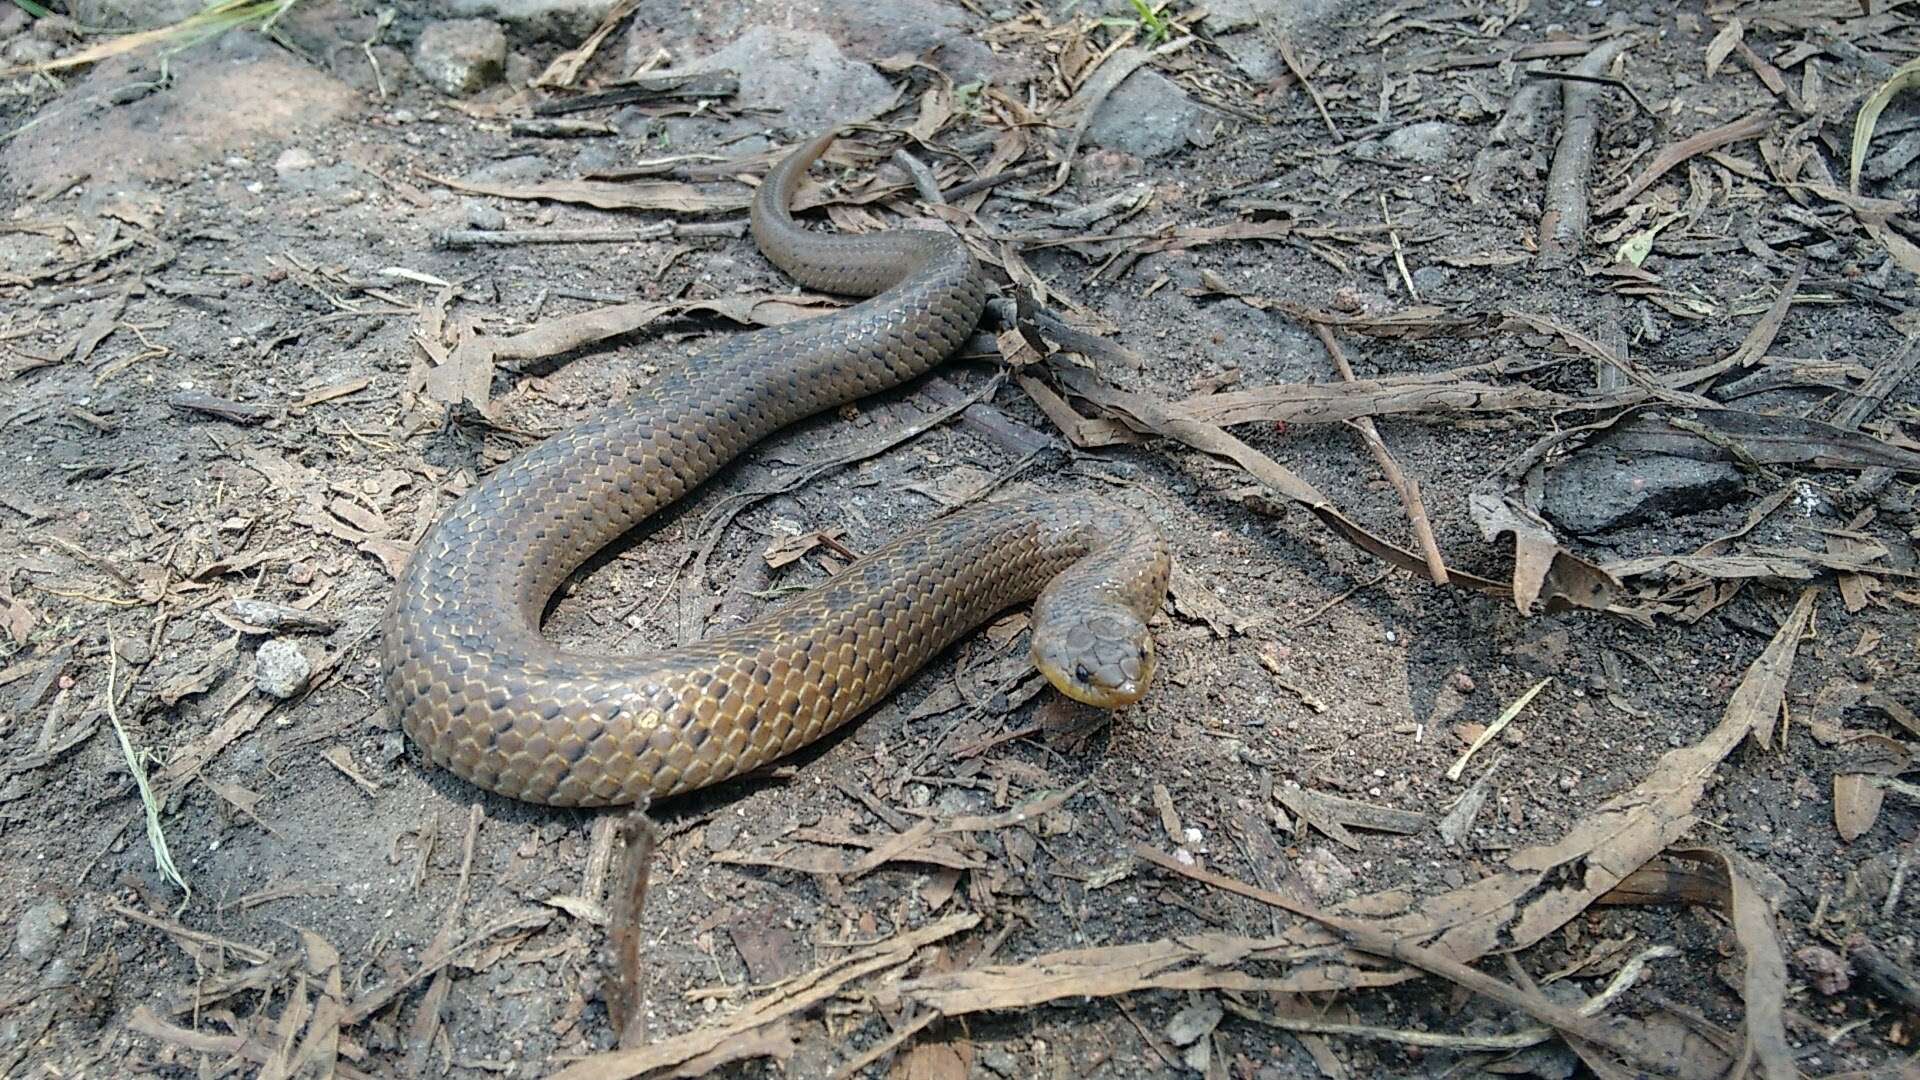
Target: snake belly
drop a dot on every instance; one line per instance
(472, 680)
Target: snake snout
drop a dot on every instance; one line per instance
(1101, 656)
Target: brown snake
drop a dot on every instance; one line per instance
(481, 690)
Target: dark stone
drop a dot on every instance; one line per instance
(1597, 490)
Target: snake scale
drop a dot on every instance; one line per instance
(472, 680)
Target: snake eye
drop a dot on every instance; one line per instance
(1081, 674)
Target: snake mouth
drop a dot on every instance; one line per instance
(1079, 686)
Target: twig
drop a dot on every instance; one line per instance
(1387, 945)
(651, 87)
(724, 514)
(1622, 981)
(1338, 600)
(1407, 488)
(156, 836)
(987, 183)
(1563, 225)
(1494, 729)
(886, 1046)
(1597, 80)
(1399, 252)
(1284, 45)
(640, 835)
(555, 128)
(466, 238)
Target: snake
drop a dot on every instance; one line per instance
(473, 681)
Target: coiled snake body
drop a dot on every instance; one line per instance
(474, 683)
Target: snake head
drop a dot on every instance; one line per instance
(1101, 656)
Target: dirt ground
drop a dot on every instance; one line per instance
(259, 306)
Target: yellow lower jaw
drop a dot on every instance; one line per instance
(1100, 697)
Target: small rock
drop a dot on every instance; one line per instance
(1596, 490)
(721, 834)
(999, 1061)
(25, 50)
(1428, 143)
(562, 19)
(1829, 969)
(281, 669)
(132, 14)
(1287, 16)
(461, 56)
(13, 19)
(1463, 682)
(271, 616)
(1148, 115)
(1256, 58)
(801, 73)
(293, 159)
(38, 930)
(1429, 278)
(482, 216)
(1194, 1022)
(1325, 875)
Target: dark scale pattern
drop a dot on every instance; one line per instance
(477, 686)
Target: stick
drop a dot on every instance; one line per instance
(1407, 488)
(466, 238)
(1563, 226)
(653, 87)
(987, 183)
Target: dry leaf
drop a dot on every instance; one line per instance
(1723, 44)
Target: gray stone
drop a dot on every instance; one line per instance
(1427, 143)
(800, 73)
(485, 217)
(569, 20)
(1253, 54)
(1596, 490)
(13, 19)
(1286, 16)
(293, 159)
(38, 930)
(1325, 875)
(999, 1061)
(940, 32)
(281, 669)
(27, 49)
(518, 169)
(461, 56)
(1428, 278)
(131, 14)
(1147, 116)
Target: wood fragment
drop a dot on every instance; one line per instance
(717, 83)
(199, 401)
(1407, 488)
(1563, 223)
(639, 836)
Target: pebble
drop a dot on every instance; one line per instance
(461, 56)
(485, 217)
(1430, 142)
(281, 669)
(293, 159)
(38, 930)
(1148, 115)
